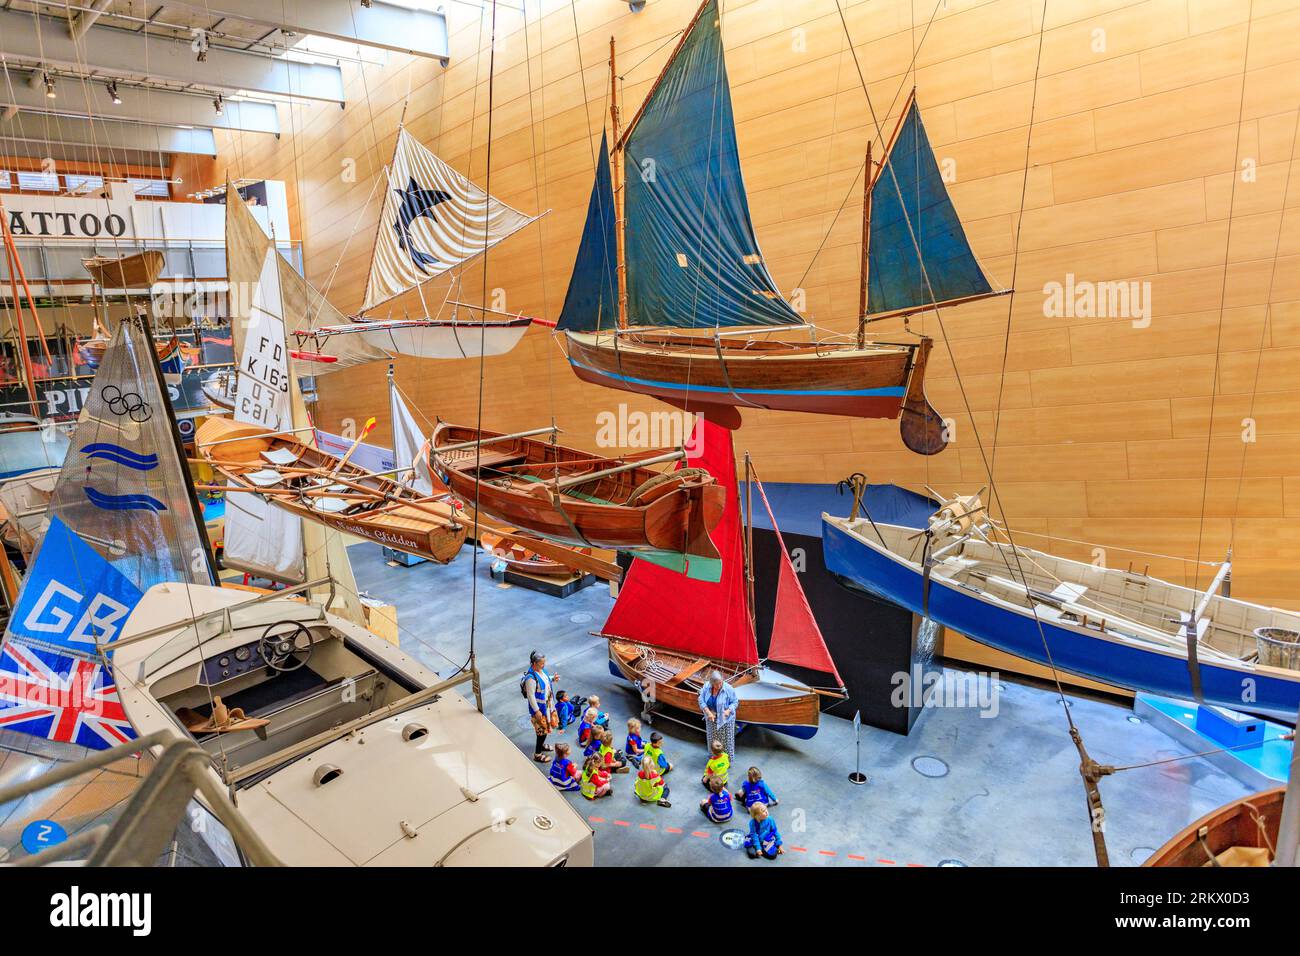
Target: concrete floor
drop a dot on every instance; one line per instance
(1011, 796)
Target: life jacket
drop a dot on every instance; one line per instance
(649, 786)
(653, 753)
(633, 745)
(718, 767)
(543, 692)
(720, 804)
(588, 787)
(753, 793)
(560, 771)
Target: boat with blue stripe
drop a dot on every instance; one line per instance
(1118, 626)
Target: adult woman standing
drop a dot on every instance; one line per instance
(718, 703)
(536, 685)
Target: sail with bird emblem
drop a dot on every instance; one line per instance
(433, 220)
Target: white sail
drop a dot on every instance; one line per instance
(410, 446)
(433, 220)
(260, 538)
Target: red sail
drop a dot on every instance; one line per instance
(669, 610)
(796, 638)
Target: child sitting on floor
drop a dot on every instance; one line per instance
(602, 719)
(595, 780)
(654, 752)
(566, 709)
(718, 765)
(649, 786)
(611, 759)
(635, 747)
(764, 839)
(717, 805)
(564, 773)
(587, 726)
(755, 790)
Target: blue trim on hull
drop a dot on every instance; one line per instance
(1109, 661)
(892, 391)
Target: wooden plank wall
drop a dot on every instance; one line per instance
(1162, 152)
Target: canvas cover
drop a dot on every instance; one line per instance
(691, 255)
(913, 222)
(433, 219)
(410, 446)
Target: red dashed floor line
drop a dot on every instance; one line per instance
(857, 857)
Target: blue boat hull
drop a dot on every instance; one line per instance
(1109, 661)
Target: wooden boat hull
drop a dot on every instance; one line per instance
(394, 517)
(674, 518)
(137, 271)
(1235, 824)
(771, 700)
(518, 558)
(718, 378)
(854, 555)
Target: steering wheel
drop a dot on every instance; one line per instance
(281, 652)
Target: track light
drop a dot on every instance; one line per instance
(49, 87)
(219, 104)
(112, 93)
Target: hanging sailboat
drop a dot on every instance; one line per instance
(121, 519)
(1113, 625)
(670, 295)
(138, 270)
(433, 221)
(586, 501)
(669, 631)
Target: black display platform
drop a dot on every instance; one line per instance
(871, 641)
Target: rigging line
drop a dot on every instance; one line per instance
(1223, 293)
(875, 121)
(482, 333)
(1094, 544)
(1015, 261)
(1263, 333)
(537, 189)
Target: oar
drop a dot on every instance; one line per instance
(370, 423)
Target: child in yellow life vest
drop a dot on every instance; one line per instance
(654, 752)
(649, 786)
(718, 765)
(595, 779)
(610, 759)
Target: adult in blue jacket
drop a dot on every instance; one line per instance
(718, 704)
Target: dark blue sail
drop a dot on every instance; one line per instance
(913, 223)
(592, 300)
(692, 259)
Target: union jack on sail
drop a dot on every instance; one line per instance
(60, 697)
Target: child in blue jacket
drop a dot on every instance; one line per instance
(755, 790)
(717, 805)
(764, 839)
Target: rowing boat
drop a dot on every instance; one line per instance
(305, 481)
(572, 497)
(1241, 833)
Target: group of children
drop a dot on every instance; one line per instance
(600, 761)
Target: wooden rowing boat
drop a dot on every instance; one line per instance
(139, 270)
(767, 698)
(581, 500)
(1241, 833)
(514, 552)
(316, 486)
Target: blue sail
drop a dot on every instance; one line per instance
(691, 256)
(592, 300)
(913, 223)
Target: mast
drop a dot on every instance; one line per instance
(866, 248)
(748, 541)
(616, 172)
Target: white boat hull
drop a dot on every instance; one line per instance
(436, 339)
